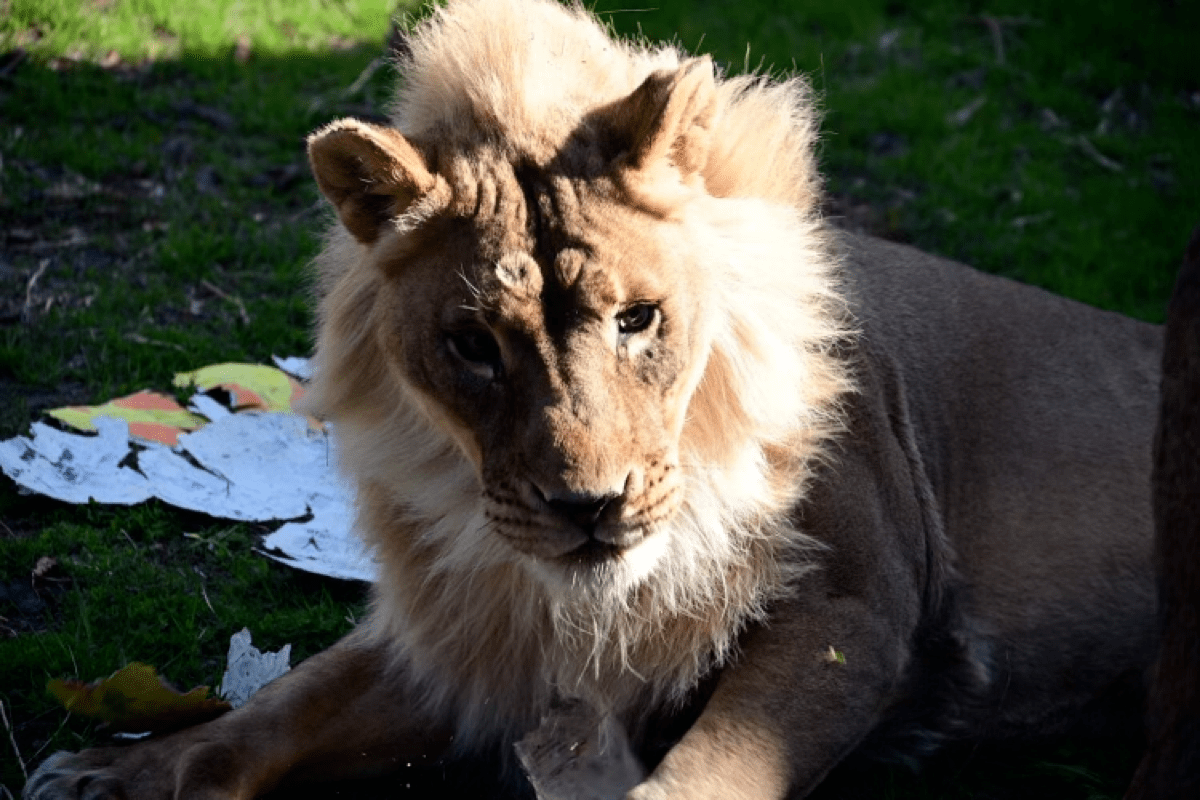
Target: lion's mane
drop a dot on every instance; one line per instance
(488, 642)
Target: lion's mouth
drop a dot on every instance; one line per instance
(592, 553)
(572, 546)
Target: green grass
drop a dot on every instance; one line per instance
(1012, 189)
(137, 29)
(178, 166)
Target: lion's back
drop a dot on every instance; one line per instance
(1034, 417)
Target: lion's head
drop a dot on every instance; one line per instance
(575, 340)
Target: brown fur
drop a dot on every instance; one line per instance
(628, 423)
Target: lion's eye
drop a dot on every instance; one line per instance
(477, 347)
(637, 318)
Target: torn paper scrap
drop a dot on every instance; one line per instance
(579, 754)
(250, 467)
(207, 407)
(249, 385)
(76, 468)
(253, 467)
(326, 544)
(248, 669)
(152, 417)
(295, 366)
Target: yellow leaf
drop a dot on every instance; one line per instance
(135, 698)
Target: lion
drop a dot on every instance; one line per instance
(630, 423)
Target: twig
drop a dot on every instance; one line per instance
(229, 298)
(13, 740)
(362, 78)
(1086, 145)
(74, 240)
(964, 114)
(139, 339)
(1020, 222)
(993, 26)
(207, 602)
(26, 312)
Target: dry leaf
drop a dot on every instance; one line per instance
(135, 698)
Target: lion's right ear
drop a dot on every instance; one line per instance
(370, 173)
(668, 118)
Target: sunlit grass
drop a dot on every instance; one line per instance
(156, 29)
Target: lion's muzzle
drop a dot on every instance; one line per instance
(552, 523)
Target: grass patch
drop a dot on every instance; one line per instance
(153, 151)
(1059, 153)
(143, 584)
(158, 29)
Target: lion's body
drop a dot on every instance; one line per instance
(1031, 416)
(629, 423)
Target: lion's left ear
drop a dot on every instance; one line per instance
(369, 172)
(669, 118)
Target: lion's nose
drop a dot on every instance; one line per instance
(579, 508)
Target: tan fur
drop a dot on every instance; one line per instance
(629, 423)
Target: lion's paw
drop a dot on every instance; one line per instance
(152, 770)
(72, 775)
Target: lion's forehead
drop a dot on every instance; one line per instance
(577, 283)
(544, 238)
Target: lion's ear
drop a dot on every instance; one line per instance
(370, 173)
(669, 118)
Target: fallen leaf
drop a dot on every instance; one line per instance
(135, 698)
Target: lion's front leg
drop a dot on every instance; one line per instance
(803, 695)
(337, 714)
